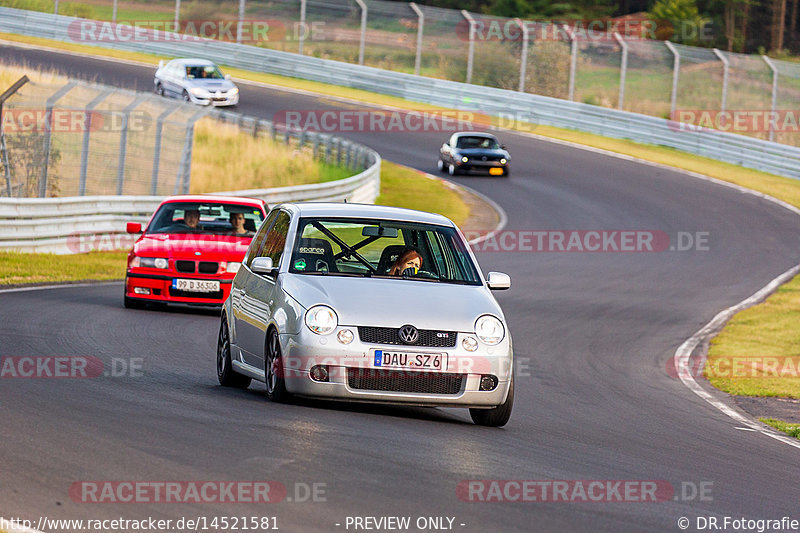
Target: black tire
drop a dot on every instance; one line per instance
(497, 416)
(452, 170)
(186, 97)
(225, 373)
(273, 369)
(506, 172)
(159, 89)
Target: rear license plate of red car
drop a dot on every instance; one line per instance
(195, 285)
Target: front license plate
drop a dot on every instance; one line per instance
(496, 171)
(422, 361)
(195, 285)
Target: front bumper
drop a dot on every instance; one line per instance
(216, 101)
(161, 290)
(304, 350)
(480, 166)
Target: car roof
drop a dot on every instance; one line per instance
(474, 134)
(193, 61)
(345, 210)
(218, 198)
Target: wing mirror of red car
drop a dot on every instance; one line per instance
(134, 227)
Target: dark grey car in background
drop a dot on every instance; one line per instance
(195, 80)
(473, 151)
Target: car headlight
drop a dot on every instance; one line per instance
(321, 319)
(489, 330)
(199, 91)
(464, 159)
(503, 160)
(233, 91)
(232, 267)
(150, 262)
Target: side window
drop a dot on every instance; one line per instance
(276, 239)
(258, 240)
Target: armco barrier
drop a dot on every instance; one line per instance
(731, 148)
(85, 224)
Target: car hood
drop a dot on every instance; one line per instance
(187, 246)
(481, 151)
(212, 85)
(394, 302)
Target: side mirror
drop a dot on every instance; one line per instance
(161, 63)
(133, 227)
(503, 146)
(262, 265)
(497, 281)
(227, 76)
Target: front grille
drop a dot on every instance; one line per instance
(427, 337)
(403, 381)
(208, 267)
(218, 295)
(184, 266)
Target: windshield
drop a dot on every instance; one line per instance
(204, 71)
(478, 142)
(216, 218)
(381, 248)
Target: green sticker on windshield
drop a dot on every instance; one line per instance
(300, 264)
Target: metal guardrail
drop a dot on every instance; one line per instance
(85, 224)
(730, 148)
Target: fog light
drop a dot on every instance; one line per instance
(319, 373)
(488, 382)
(470, 344)
(141, 290)
(345, 336)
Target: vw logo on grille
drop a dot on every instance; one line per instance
(483, 158)
(408, 334)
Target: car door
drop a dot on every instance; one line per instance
(257, 295)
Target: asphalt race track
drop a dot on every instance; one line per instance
(593, 335)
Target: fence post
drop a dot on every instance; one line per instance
(302, 36)
(185, 167)
(177, 16)
(420, 26)
(86, 133)
(157, 149)
(48, 126)
(523, 61)
(8, 93)
(471, 47)
(623, 69)
(676, 69)
(725, 68)
(55, 8)
(123, 140)
(573, 60)
(114, 12)
(328, 149)
(772, 109)
(362, 39)
(240, 23)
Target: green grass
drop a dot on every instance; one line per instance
(400, 186)
(793, 430)
(758, 351)
(18, 268)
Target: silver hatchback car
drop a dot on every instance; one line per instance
(195, 80)
(367, 303)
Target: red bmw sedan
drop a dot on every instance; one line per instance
(191, 250)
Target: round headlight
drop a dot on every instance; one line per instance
(464, 159)
(321, 319)
(160, 262)
(503, 161)
(489, 330)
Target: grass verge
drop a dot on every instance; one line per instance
(758, 351)
(400, 187)
(793, 430)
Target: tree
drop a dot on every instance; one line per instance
(26, 158)
(682, 18)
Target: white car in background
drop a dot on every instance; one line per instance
(195, 80)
